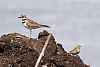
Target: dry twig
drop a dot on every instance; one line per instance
(52, 29)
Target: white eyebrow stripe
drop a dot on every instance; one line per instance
(24, 18)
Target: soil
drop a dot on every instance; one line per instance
(17, 50)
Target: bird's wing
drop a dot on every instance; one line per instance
(72, 51)
(32, 23)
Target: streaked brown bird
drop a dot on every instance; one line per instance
(75, 51)
(30, 24)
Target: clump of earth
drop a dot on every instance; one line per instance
(17, 50)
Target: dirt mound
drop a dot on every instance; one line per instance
(17, 50)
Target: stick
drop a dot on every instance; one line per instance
(52, 29)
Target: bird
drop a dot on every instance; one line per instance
(75, 51)
(30, 24)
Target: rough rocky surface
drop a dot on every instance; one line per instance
(17, 50)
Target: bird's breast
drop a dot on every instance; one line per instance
(78, 50)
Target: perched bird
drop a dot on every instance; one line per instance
(30, 24)
(75, 51)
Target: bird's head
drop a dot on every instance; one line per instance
(23, 16)
(78, 46)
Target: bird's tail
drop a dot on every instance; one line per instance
(44, 26)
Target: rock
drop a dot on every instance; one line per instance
(17, 50)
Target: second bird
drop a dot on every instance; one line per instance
(75, 51)
(30, 24)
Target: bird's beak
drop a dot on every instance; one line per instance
(19, 17)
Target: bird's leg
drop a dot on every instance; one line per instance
(30, 33)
